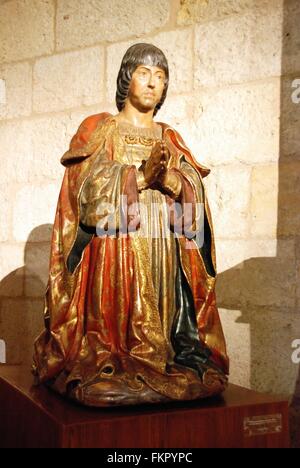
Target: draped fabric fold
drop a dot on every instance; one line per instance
(130, 315)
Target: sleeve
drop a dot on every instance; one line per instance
(186, 199)
(109, 196)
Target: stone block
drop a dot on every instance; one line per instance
(266, 276)
(37, 255)
(228, 190)
(178, 48)
(238, 342)
(2, 93)
(18, 88)
(176, 45)
(231, 254)
(68, 80)
(50, 138)
(21, 320)
(259, 346)
(93, 22)
(177, 112)
(26, 29)
(11, 270)
(289, 199)
(238, 123)
(34, 212)
(290, 118)
(298, 276)
(5, 215)
(33, 147)
(201, 11)
(291, 37)
(264, 201)
(238, 49)
(272, 333)
(16, 147)
(182, 112)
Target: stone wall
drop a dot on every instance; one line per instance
(232, 65)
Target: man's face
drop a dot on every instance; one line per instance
(146, 87)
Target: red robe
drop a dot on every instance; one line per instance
(101, 360)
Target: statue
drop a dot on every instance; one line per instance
(130, 308)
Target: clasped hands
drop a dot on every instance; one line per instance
(156, 173)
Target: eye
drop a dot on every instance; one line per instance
(142, 73)
(160, 77)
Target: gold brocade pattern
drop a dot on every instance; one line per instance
(131, 140)
(109, 341)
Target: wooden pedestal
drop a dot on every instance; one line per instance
(36, 417)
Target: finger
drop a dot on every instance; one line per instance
(157, 146)
(157, 169)
(165, 159)
(166, 152)
(160, 167)
(158, 175)
(156, 151)
(164, 146)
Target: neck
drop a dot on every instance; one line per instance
(135, 117)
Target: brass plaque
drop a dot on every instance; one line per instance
(262, 425)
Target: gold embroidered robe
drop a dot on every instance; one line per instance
(129, 318)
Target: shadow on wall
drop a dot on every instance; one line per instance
(22, 298)
(270, 300)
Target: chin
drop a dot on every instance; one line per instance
(145, 107)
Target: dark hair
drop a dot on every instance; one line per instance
(140, 54)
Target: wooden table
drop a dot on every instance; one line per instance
(36, 417)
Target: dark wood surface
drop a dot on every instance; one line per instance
(33, 416)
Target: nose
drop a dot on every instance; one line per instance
(151, 82)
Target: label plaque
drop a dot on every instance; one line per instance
(262, 425)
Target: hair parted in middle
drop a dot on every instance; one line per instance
(140, 54)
